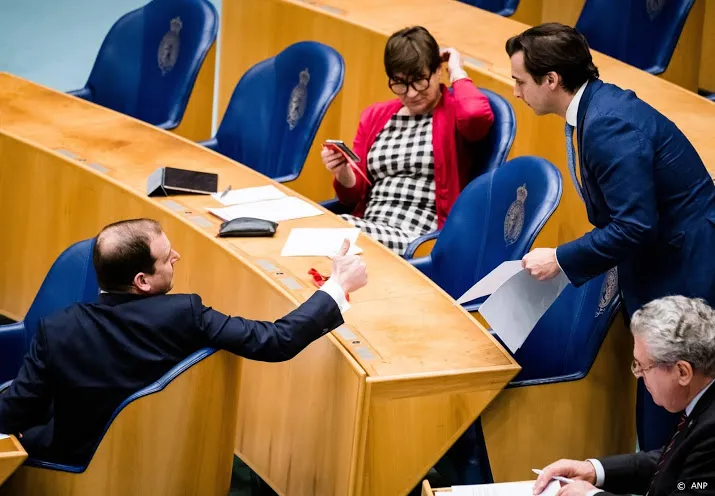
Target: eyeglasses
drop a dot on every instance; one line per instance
(638, 370)
(400, 87)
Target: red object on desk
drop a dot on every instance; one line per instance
(319, 279)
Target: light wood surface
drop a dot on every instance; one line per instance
(707, 55)
(196, 123)
(401, 380)
(684, 66)
(532, 426)
(358, 30)
(12, 455)
(176, 441)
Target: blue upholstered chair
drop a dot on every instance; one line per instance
(277, 108)
(71, 279)
(175, 436)
(149, 61)
(496, 218)
(502, 7)
(490, 154)
(642, 34)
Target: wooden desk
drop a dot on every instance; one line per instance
(256, 29)
(12, 455)
(365, 410)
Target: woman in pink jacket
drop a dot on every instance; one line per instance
(414, 150)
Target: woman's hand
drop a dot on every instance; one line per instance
(336, 163)
(454, 63)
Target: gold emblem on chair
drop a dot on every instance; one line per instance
(169, 47)
(296, 104)
(654, 8)
(514, 220)
(609, 289)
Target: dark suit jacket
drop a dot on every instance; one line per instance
(691, 460)
(650, 198)
(85, 360)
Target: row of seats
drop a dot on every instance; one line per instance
(642, 34)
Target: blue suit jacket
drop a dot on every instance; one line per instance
(85, 360)
(650, 198)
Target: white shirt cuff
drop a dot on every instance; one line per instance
(457, 74)
(556, 256)
(594, 491)
(600, 473)
(336, 293)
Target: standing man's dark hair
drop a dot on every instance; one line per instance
(558, 48)
(122, 251)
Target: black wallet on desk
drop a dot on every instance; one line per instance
(247, 226)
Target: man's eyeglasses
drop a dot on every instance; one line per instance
(639, 370)
(400, 86)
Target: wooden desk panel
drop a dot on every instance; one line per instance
(707, 55)
(12, 455)
(327, 422)
(198, 117)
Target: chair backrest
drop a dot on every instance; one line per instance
(642, 33)
(566, 340)
(149, 60)
(496, 218)
(71, 279)
(492, 151)
(176, 436)
(501, 7)
(277, 107)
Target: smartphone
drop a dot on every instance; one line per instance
(341, 146)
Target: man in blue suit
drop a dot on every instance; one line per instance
(85, 360)
(645, 188)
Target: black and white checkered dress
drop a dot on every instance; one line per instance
(402, 202)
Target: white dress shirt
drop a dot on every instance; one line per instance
(601, 474)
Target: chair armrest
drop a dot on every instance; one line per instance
(83, 93)
(168, 125)
(335, 206)
(285, 179)
(423, 264)
(211, 144)
(12, 350)
(474, 306)
(5, 386)
(410, 251)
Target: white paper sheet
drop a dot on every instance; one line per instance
(514, 309)
(505, 489)
(286, 208)
(3, 436)
(250, 195)
(491, 282)
(307, 242)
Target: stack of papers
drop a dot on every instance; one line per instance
(505, 489)
(517, 301)
(305, 242)
(3, 436)
(286, 208)
(249, 195)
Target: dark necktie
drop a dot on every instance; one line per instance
(666, 452)
(571, 156)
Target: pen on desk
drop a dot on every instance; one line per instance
(555, 477)
(225, 192)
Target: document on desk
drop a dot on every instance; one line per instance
(279, 210)
(317, 242)
(249, 195)
(491, 282)
(505, 489)
(3, 436)
(517, 305)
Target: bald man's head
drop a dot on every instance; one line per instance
(122, 251)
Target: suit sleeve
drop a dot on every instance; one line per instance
(620, 157)
(629, 474)
(472, 110)
(27, 402)
(270, 341)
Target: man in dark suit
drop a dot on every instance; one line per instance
(85, 360)
(645, 188)
(674, 353)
